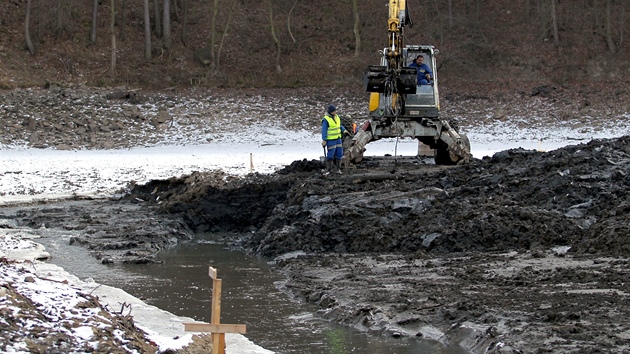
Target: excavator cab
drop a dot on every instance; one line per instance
(400, 107)
(415, 100)
(427, 96)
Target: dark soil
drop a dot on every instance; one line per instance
(524, 251)
(521, 252)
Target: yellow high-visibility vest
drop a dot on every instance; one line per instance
(334, 127)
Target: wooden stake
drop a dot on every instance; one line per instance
(215, 327)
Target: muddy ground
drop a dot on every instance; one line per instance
(523, 252)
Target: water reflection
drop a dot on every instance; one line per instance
(252, 295)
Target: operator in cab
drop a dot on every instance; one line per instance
(424, 72)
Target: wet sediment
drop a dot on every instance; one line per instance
(498, 255)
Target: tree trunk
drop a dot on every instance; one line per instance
(225, 32)
(175, 7)
(93, 25)
(621, 24)
(27, 31)
(166, 22)
(289, 20)
(596, 14)
(357, 26)
(59, 17)
(554, 22)
(147, 31)
(275, 38)
(450, 13)
(112, 29)
(440, 22)
(39, 20)
(477, 10)
(157, 15)
(123, 20)
(184, 41)
(213, 36)
(609, 39)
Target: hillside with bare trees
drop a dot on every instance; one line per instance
(291, 43)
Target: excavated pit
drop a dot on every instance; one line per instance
(517, 200)
(525, 251)
(498, 255)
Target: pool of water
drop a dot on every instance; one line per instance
(251, 294)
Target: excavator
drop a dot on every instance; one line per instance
(399, 105)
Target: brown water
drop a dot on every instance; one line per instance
(252, 295)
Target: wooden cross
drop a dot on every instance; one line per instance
(215, 326)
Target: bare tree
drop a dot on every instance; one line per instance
(213, 36)
(357, 26)
(123, 20)
(156, 15)
(622, 18)
(450, 13)
(59, 18)
(27, 31)
(275, 38)
(147, 31)
(216, 43)
(225, 33)
(477, 9)
(175, 7)
(440, 21)
(112, 29)
(166, 30)
(184, 41)
(289, 20)
(609, 39)
(554, 22)
(93, 25)
(38, 19)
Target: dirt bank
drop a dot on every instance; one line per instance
(112, 231)
(522, 252)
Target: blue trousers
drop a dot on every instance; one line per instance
(335, 149)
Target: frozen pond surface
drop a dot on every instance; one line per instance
(47, 173)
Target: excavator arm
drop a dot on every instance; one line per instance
(400, 105)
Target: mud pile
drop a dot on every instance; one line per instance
(517, 200)
(524, 251)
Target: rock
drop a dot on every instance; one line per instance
(31, 123)
(162, 117)
(499, 114)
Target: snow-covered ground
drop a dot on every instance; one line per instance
(27, 174)
(55, 291)
(36, 174)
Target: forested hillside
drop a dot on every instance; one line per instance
(289, 43)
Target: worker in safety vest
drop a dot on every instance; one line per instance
(332, 132)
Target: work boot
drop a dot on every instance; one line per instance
(328, 167)
(338, 166)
